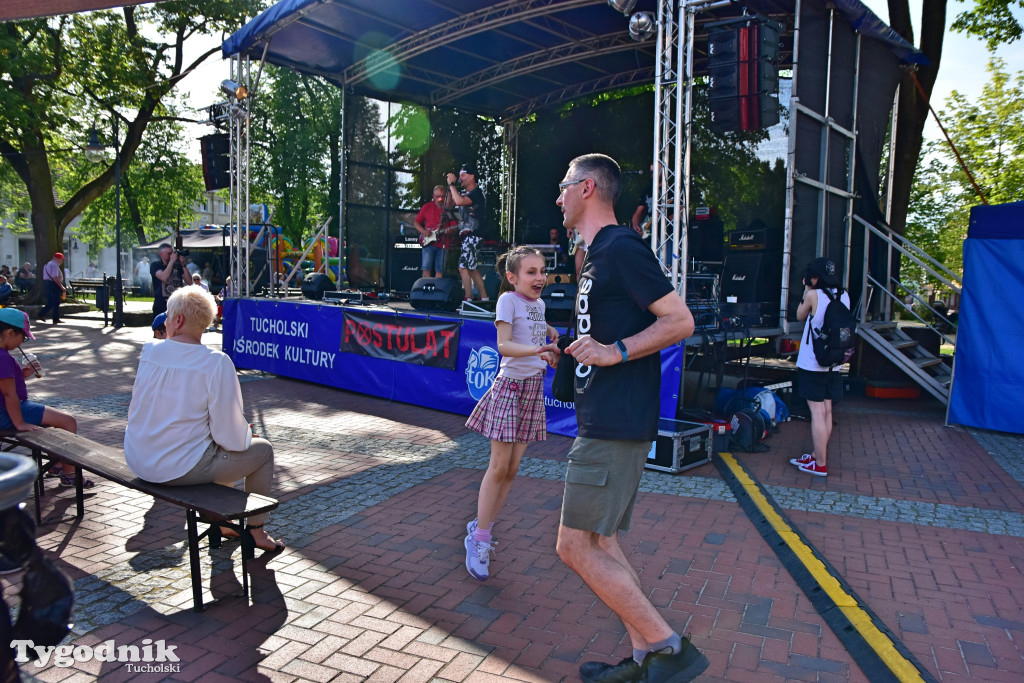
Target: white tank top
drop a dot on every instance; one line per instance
(805, 356)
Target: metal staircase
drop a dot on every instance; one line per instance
(934, 375)
(884, 333)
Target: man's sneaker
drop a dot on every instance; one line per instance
(478, 558)
(598, 672)
(815, 469)
(805, 459)
(663, 667)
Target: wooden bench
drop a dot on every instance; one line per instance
(213, 504)
(80, 285)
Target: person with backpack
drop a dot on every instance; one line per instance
(827, 337)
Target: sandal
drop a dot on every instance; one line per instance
(249, 544)
(67, 481)
(53, 471)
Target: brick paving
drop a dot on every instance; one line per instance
(925, 522)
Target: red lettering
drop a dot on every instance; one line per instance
(391, 329)
(403, 339)
(431, 344)
(350, 328)
(364, 334)
(377, 340)
(412, 341)
(447, 334)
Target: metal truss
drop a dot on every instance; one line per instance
(238, 131)
(670, 206)
(620, 80)
(454, 30)
(535, 61)
(510, 177)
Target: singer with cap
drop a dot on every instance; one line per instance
(53, 281)
(470, 202)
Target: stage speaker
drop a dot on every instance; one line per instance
(404, 267)
(314, 285)
(436, 294)
(215, 151)
(752, 277)
(559, 299)
(705, 240)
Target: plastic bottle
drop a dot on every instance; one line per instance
(31, 359)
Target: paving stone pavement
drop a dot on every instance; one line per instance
(924, 521)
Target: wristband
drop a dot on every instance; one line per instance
(622, 350)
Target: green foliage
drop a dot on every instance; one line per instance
(991, 20)
(989, 134)
(61, 76)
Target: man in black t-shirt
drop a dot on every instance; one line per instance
(471, 205)
(626, 311)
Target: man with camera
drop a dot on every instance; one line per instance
(167, 275)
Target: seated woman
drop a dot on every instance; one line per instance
(185, 421)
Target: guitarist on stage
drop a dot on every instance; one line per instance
(433, 238)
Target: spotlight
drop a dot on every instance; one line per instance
(641, 26)
(232, 89)
(624, 6)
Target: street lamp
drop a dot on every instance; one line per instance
(95, 152)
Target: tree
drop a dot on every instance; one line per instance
(58, 75)
(989, 134)
(991, 20)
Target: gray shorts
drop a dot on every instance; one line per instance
(601, 484)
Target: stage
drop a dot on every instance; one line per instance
(439, 360)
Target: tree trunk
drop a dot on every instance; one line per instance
(913, 107)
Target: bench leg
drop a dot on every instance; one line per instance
(37, 487)
(193, 560)
(79, 492)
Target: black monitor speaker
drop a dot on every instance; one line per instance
(215, 150)
(314, 285)
(436, 294)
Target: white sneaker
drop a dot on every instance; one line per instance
(478, 558)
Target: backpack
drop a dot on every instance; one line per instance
(833, 342)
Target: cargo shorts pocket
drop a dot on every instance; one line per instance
(589, 475)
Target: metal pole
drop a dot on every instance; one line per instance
(119, 287)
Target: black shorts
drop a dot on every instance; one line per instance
(819, 386)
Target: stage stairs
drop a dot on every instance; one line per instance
(929, 371)
(912, 300)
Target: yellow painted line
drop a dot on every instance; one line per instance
(882, 644)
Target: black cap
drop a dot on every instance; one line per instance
(468, 167)
(825, 270)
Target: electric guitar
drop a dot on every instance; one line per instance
(434, 235)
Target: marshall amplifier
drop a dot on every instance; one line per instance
(748, 240)
(752, 277)
(404, 267)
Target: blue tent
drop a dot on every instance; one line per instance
(988, 375)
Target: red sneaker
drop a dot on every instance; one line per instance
(815, 469)
(805, 459)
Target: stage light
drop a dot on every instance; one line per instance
(624, 6)
(641, 26)
(232, 89)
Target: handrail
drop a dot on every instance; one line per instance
(916, 255)
(914, 313)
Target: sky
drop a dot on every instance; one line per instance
(961, 69)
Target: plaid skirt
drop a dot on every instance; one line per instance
(512, 411)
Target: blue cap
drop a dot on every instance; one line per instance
(159, 321)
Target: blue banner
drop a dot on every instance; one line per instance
(302, 340)
(380, 335)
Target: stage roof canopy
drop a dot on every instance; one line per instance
(503, 59)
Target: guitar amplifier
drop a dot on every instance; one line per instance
(748, 240)
(404, 267)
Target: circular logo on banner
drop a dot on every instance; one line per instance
(480, 371)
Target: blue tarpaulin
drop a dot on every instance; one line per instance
(988, 376)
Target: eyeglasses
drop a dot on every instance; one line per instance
(562, 187)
